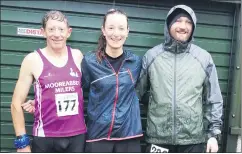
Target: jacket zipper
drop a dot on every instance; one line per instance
(114, 108)
(174, 104)
(131, 76)
(116, 97)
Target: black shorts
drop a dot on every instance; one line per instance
(59, 144)
(104, 146)
(191, 148)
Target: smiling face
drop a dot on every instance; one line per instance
(115, 30)
(56, 33)
(181, 29)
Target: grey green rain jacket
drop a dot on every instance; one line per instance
(184, 91)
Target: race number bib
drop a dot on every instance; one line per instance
(157, 149)
(66, 104)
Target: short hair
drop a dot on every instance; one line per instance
(54, 15)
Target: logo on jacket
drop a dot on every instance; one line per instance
(72, 73)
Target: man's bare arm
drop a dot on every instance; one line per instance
(20, 93)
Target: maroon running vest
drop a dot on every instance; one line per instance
(59, 105)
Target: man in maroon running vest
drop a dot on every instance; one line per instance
(59, 124)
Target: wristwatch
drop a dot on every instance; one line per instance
(217, 136)
(22, 141)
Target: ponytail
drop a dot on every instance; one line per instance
(101, 47)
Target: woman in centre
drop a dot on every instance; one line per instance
(110, 75)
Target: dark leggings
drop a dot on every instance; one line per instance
(59, 144)
(122, 146)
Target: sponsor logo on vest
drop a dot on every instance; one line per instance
(72, 73)
(63, 86)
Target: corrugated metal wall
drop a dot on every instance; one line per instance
(146, 20)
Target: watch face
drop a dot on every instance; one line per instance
(218, 137)
(19, 137)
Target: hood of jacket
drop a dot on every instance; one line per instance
(173, 45)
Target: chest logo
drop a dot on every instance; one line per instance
(72, 73)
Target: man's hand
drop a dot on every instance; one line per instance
(212, 145)
(26, 149)
(29, 106)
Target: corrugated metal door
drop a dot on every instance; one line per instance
(146, 20)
